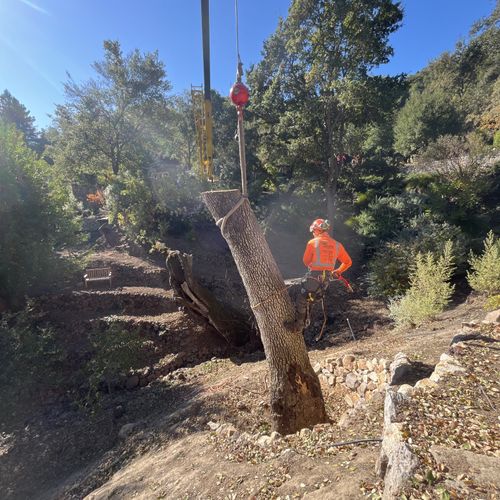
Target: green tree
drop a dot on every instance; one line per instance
(36, 218)
(313, 84)
(425, 116)
(12, 111)
(108, 122)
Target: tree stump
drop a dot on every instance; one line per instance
(296, 398)
(229, 322)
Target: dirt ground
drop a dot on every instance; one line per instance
(154, 442)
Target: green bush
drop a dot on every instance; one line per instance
(485, 274)
(31, 360)
(116, 351)
(389, 269)
(493, 303)
(429, 292)
(36, 219)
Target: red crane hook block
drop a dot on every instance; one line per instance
(239, 94)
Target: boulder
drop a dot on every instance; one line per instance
(400, 369)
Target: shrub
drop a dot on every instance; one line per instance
(429, 292)
(389, 269)
(31, 361)
(36, 219)
(116, 351)
(493, 303)
(485, 275)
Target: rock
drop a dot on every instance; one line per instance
(362, 389)
(444, 368)
(483, 470)
(351, 399)
(425, 383)
(264, 441)
(244, 437)
(352, 381)
(446, 358)
(392, 402)
(400, 369)
(340, 373)
(371, 386)
(348, 361)
(396, 463)
(377, 396)
(373, 376)
(213, 426)
(126, 430)
(492, 317)
(362, 364)
(227, 430)
(305, 433)
(275, 436)
(369, 365)
(317, 368)
(132, 382)
(331, 380)
(384, 363)
(405, 389)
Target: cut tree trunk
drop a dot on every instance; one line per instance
(296, 398)
(229, 322)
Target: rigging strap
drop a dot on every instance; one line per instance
(222, 221)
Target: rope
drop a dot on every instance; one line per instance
(237, 31)
(222, 221)
(269, 297)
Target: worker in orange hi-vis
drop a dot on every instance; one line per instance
(321, 257)
(323, 252)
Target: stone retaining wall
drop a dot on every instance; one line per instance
(358, 377)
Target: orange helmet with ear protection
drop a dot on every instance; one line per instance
(319, 225)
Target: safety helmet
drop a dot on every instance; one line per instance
(320, 225)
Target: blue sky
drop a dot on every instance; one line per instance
(41, 40)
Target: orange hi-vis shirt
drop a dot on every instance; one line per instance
(323, 252)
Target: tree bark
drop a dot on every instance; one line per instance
(229, 322)
(296, 398)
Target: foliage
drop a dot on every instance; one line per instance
(116, 351)
(425, 116)
(456, 93)
(389, 269)
(385, 217)
(36, 219)
(484, 276)
(313, 89)
(31, 359)
(429, 292)
(493, 303)
(14, 113)
(107, 123)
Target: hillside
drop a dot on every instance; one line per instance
(196, 427)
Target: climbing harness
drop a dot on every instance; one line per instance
(315, 288)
